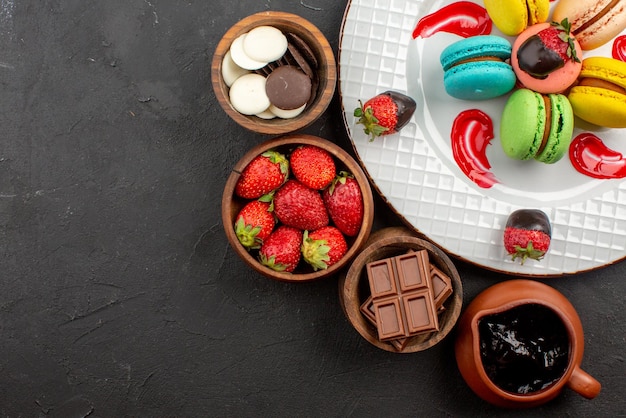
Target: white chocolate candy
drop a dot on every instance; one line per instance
(230, 70)
(247, 94)
(267, 115)
(240, 58)
(265, 43)
(287, 114)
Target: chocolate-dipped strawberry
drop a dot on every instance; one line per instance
(546, 57)
(385, 113)
(527, 234)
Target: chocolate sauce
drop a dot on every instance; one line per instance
(536, 59)
(525, 349)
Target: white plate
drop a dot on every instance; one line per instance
(416, 173)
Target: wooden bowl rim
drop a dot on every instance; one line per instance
(340, 154)
(327, 79)
(349, 287)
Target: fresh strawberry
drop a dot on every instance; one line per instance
(344, 202)
(281, 250)
(385, 113)
(527, 234)
(300, 206)
(254, 223)
(548, 50)
(312, 166)
(324, 247)
(264, 174)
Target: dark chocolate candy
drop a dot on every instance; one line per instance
(288, 87)
(304, 49)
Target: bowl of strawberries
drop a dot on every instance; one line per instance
(297, 208)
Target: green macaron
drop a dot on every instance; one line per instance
(535, 125)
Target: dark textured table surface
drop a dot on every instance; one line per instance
(119, 294)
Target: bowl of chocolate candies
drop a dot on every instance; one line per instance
(274, 72)
(401, 293)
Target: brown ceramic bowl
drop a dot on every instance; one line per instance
(231, 204)
(327, 71)
(354, 287)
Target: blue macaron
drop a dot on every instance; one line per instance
(477, 68)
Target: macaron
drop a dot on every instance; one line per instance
(535, 125)
(594, 22)
(513, 16)
(543, 58)
(600, 94)
(476, 68)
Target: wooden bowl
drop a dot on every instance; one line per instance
(354, 287)
(231, 204)
(327, 71)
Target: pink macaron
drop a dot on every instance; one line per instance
(543, 61)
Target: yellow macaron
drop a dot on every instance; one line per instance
(513, 16)
(599, 97)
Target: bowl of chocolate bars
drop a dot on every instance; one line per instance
(401, 293)
(274, 72)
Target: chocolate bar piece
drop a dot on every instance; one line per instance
(367, 309)
(442, 286)
(402, 296)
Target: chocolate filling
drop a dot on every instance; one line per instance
(596, 18)
(596, 82)
(477, 59)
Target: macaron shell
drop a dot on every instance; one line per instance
(522, 124)
(579, 12)
(475, 47)
(558, 81)
(599, 106)
(513, 16)
(561, 130)
(604, 68)
(479, 80)
(510, 16)
(539, 11)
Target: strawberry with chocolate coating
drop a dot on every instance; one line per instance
(385, 113)
(254, 223)
(264, 174)
(527, 234)
(344, 202)
(548, 50)
(323, 247)
(281, 250)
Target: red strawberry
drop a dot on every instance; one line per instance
(324, 247)
(385, 113)
(548, 50)
(299, 206)
(344, 203)
(254, 223)
(264, 174)
(527, 234)
(281, 250)
(312, 166)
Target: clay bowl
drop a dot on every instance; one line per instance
(354, 287)
(326, 71)
(231, 204)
